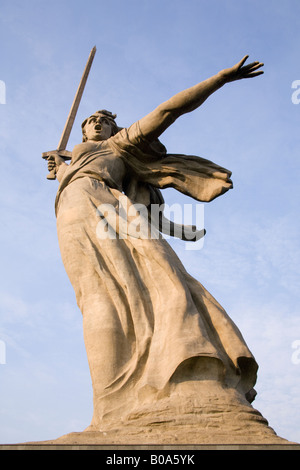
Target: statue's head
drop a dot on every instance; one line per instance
(99, 126)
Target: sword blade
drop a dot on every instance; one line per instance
(74, 108)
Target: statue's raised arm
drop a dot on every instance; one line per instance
(155, 123)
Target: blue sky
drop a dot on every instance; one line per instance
(148, 50)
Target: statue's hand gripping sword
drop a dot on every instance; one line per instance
(61, 148)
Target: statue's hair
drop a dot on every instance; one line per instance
(111, 118)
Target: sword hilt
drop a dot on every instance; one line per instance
(65, 154)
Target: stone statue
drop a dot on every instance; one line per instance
(160, 348)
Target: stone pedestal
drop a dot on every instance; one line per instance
(212, 415)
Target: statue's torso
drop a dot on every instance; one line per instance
(98, 159)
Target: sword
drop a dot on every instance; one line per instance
(62, 145)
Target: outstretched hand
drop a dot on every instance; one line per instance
(239, 71)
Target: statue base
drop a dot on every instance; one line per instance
(207, 418)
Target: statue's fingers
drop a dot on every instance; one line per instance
(241, 63)
(249, 66)
(253, 66)
(253, 74)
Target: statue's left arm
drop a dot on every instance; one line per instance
(156, 122)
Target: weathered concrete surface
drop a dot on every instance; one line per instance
(211, 417)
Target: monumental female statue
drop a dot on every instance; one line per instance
(150, 329)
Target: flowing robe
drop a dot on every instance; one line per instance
(143, 314)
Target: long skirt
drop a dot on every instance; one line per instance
(144, 316)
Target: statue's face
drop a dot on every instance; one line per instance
(98, 128)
